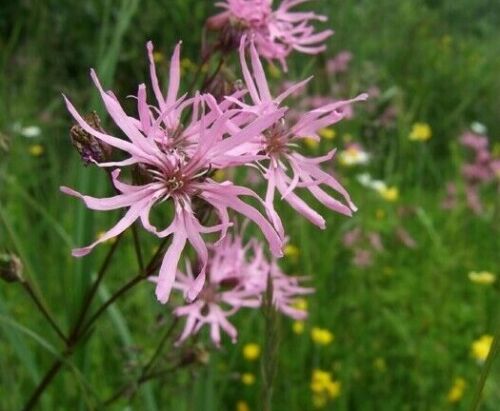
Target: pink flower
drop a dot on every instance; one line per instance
(362, 258)
(339, 63)
(275, 32)
(177, 159)
(237, 277)
(450, 201)
(405, 238)
(352, 237)
(474, 141)
(286, 169)
(286, 289)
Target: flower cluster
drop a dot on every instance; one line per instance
(178, 157)
(324, 388)
(276, 33)
(483, 169)
(237, 277)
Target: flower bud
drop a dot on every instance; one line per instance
(90, 148)
(11, 268)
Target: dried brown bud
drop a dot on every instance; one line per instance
(90, 148)
(195, 355)
(11, 268)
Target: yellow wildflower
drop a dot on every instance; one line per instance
(390, 194)
(311, 143)
(219, 175)
(481, 347)
(292, 251)
(300, 304)
(242, 406)
(248, 378)
(158, 56)
(420, 132)
(298, 327)
(322, 336)
(324, 388)
(482, 277)
(251, 351)
(36, 150)
(187, 65)
(328, 133)
(379, 364)
(274, 71)
(457, 390)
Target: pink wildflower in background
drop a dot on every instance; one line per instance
(276, 33)
(482, 170)
(339, 63)
(237, 277)
(176, 162)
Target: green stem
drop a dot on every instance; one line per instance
(47, 379)
(269, 363)
(145, 375)
(91, 293)
(137, 246)
(152, 266)
(44, 311)
(79, 331)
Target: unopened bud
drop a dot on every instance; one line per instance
(195, 355)
(11, 268)
(230, 35)
(90, 148)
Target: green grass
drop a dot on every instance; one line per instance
(413, 310)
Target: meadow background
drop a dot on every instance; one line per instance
(403, 321)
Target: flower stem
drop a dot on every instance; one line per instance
(478, 395)
(91, 293)
(137, 246)
(47, 379)
(79, 330)
(152, 266)
(269, 364)
(44, 311)
(144, 375)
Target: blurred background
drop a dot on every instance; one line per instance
(407, 299)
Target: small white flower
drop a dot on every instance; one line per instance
(30, 131)
(478, 128)
(364, 179)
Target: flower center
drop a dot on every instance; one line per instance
(276, 138)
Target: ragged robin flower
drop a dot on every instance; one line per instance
(237, 277)
(284, 168)
(276, 33)
(177, 159)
